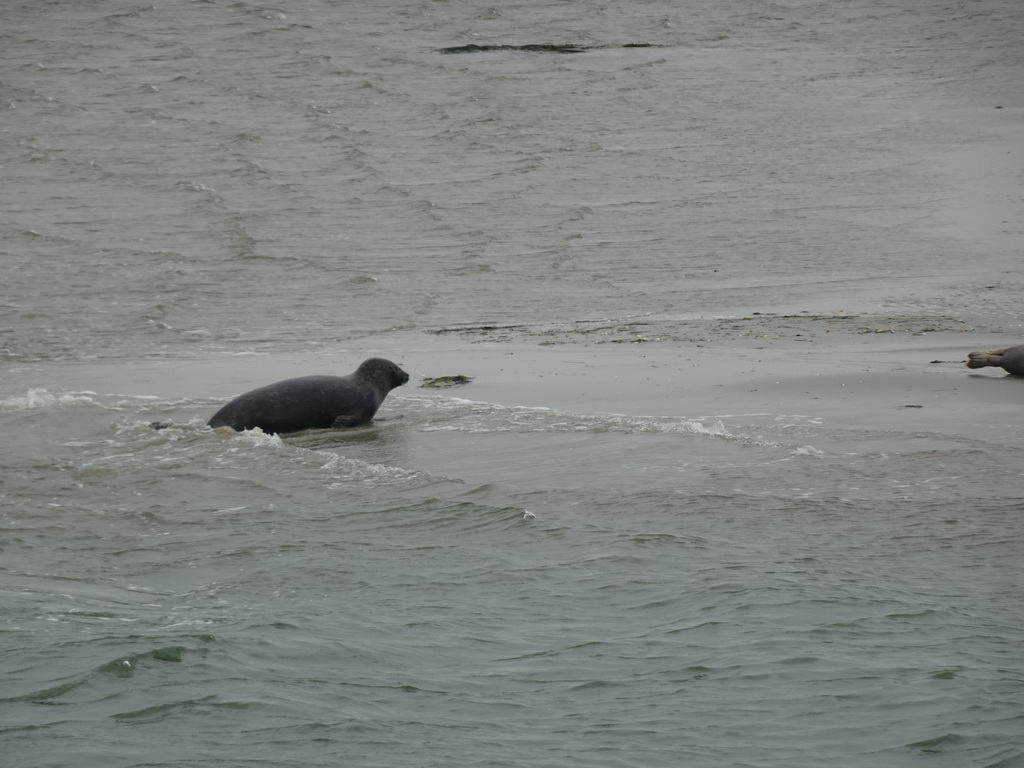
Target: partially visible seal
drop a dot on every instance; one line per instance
(314, 402)
(1010, 359)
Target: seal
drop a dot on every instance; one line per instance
(1010, 359)
(314, 402)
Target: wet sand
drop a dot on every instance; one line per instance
(920, 385)
(852, 369)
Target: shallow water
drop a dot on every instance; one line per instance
(631, 540)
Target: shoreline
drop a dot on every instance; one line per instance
(757, 369)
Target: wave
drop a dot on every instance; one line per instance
(35, 399)
(450, 414)
(39, 398)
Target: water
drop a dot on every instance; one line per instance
(708, 500)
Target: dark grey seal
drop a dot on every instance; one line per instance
(1010, 359)
(314, 402)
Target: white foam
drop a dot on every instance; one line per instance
(42, 398)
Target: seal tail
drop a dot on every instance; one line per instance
(982, 359)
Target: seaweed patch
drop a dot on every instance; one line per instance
(539, 47)
(443, 382)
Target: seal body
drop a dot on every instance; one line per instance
(1010, 359)
(314, 402)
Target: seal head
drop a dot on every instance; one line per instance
(314, 402)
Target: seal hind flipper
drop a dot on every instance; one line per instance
(983, 359)
(1010, 359)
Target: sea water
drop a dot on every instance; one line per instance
(202, 197)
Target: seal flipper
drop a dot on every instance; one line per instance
(1010, 359)
(983, 359)
(350, 420)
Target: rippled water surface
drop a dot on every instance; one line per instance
(637, 537)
